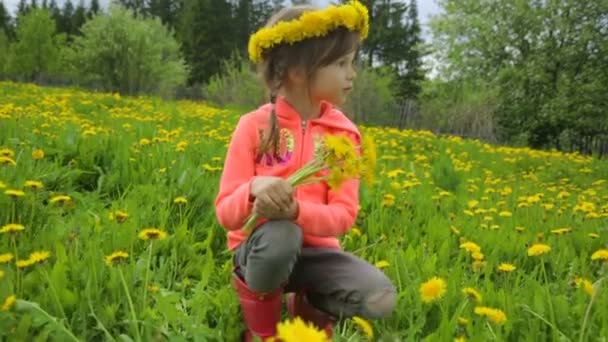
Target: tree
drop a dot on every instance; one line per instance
(22, 8)
(5, 21)
(78, 18)
(119, 52)
(547, 59)
(394, 40)
(411, 72)
(4, 48)
(94, 8)
(206, 38)
(166, 10)
(65, 22)
(35, 52)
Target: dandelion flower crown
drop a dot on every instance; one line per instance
(353, 16)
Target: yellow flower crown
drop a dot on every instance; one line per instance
(354, 16)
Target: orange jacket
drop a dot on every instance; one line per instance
(323, 214)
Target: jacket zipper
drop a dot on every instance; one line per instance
(301, 156)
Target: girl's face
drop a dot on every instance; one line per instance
(334, 82)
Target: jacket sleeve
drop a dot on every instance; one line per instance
(336, 216)
(233, 204)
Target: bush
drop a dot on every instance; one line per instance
(118, 52)
(3, 52)
(237, 84)
(458, 107)
(373, 101)
(35, 53)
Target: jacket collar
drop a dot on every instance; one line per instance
(286, 111)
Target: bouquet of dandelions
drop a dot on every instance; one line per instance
(335, 161)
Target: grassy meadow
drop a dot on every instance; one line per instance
(485, 243)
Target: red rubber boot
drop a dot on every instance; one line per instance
(297, 305)
(261, 312)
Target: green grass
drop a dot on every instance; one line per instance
(138, 154)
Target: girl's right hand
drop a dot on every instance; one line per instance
(272, 192)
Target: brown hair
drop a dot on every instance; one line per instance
(308, 54)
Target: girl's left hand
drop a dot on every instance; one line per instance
(289, 213)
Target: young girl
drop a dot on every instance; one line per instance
(306, 58)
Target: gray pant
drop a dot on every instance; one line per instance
(335, 281)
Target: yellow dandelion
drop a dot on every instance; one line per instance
(478, 266)
(180, 200)
(355, 231)
(472, 204)
(119, 215)
(382, 264)
(472, 294)
(38, 154)
(433, 289)
(297, 330)
(369, 158)
(593, 235)
(153, 288)
(470, 247)
(14, 193)
(585, 284)
(152, 234)
(561, 231)
(23, 263)
(460, 339)
(7, 152)
(505, 214)
(60, 199)
(538, 249)
(116, 257)
(36, 185)
(463, 320)
(496, 316)
(39, 256)
(7, 161)
(506, 267)
(364, 326)
(12, 228)
(600, 254)
(477, 256)
(9, 302)
(388, 200)
(6, 257)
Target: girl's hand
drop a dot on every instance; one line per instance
(263, 210)
(272, 193)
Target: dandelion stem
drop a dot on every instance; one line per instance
(18, 282)
(491, 330)
(596, 289)
(131, 307)
(31, 220)
(527, 308)
(55, 296)
(13, 211)
(542, 265)
(143, 306)
(54, 320)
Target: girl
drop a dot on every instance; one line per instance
(305, 56)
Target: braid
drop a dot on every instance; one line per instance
(272, 141)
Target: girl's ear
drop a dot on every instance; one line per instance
(297, 75)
